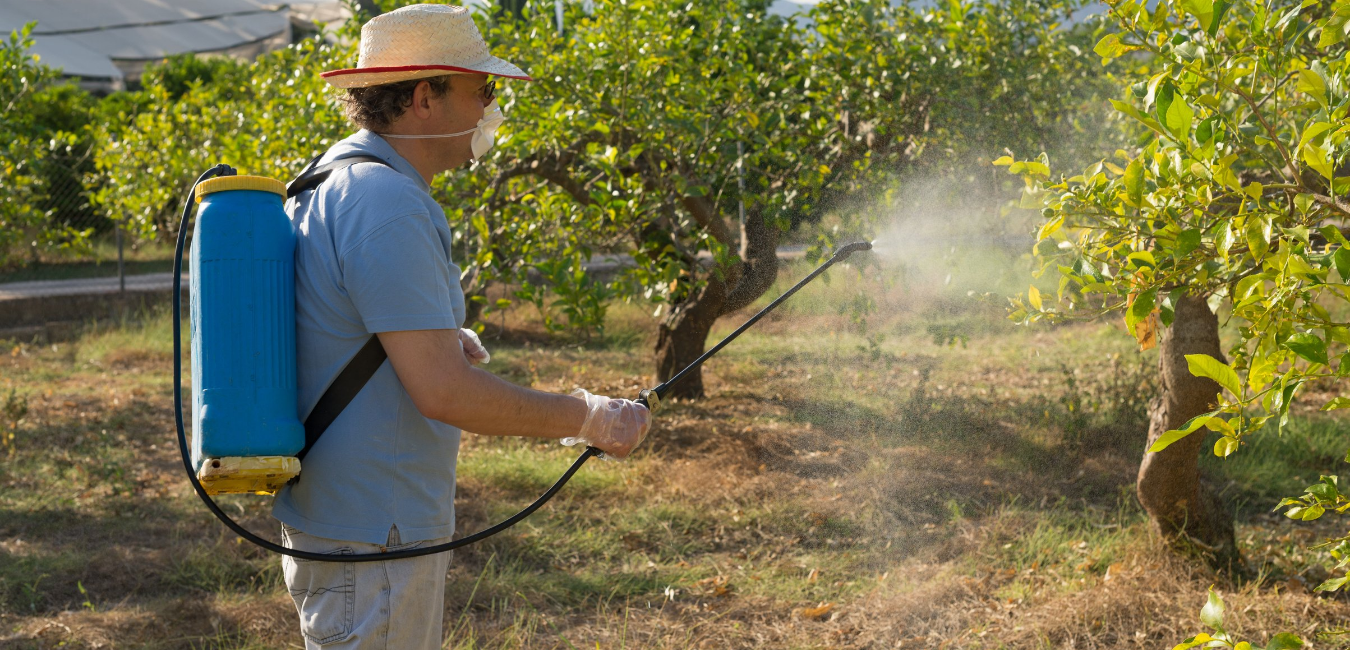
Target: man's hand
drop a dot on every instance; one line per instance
(473, 348)
(614, 426)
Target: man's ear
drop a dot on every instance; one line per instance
(421, 102)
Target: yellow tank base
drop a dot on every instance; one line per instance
(247, 474)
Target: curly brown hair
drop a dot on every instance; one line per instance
(376, 107)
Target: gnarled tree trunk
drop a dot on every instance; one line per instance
(1181, 507)
(683, 333)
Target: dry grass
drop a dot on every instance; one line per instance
(835, 490)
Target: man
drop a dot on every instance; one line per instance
(373, 257)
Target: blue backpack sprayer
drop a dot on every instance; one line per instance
(247, 437)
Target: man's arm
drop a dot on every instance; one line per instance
(433, 369)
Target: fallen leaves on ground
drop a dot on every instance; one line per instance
(819, 613)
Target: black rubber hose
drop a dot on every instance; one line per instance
(660, 391)
(225, 170)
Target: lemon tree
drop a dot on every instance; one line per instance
(1233, 203)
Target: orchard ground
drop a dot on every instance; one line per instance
(935, 478)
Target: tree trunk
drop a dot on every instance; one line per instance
(683, 333)
(683, 337)
(1184, 510)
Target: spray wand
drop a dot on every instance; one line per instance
(651, 398)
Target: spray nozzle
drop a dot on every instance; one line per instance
(849, 249)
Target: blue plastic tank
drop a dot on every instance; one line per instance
(243, 322)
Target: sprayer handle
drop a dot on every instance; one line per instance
(650, 399)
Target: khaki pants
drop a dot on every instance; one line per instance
(392, 605)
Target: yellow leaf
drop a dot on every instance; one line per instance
(1051, 227)
(1034, 297)
(1225, 446)
(817, 613)
(1146, 332)
(1220, 425)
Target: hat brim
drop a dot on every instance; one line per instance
(363, 77)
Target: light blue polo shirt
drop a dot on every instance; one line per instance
(373, 255)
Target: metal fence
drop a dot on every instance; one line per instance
(64, 176)
(66, 182)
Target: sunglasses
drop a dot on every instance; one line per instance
(489, 90)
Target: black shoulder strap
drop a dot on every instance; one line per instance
(368, 359)
(342, 391)
(314, 175)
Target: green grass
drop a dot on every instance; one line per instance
(144, 336)
(832, 463)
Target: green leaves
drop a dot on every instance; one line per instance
(1187, 241)
(1223, 240)
(1312, 84)
(35, 115)
(1284, 641)
(1258, 236)
(1336, 26)
(1134, 112)
(1209, 13)
(1212, 613)
(1165, 440)
(1203, 365)
(1134, 182)
(1172, 110)
(1341, 259)
(1111, 47)
(1225, 446)
(1195, 641)
(1336, 403)
(1309, 346)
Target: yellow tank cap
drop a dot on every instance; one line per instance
(224, 183)
(247, 474)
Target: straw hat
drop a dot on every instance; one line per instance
(421, 41)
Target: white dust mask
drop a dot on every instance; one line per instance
(482, 134)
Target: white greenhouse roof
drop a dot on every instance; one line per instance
(85, 37)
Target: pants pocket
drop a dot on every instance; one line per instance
(325, 595)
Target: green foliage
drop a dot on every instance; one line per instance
(181, 72)
(267, 118)
(12, 413)
(1211, 615)
(1234, 193)
(627, 143)
(42, 154)
(566, 287)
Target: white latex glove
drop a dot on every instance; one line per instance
(615, 426)
(473, 348)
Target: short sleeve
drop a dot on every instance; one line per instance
(398, 277)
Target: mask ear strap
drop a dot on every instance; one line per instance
(423, 137)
